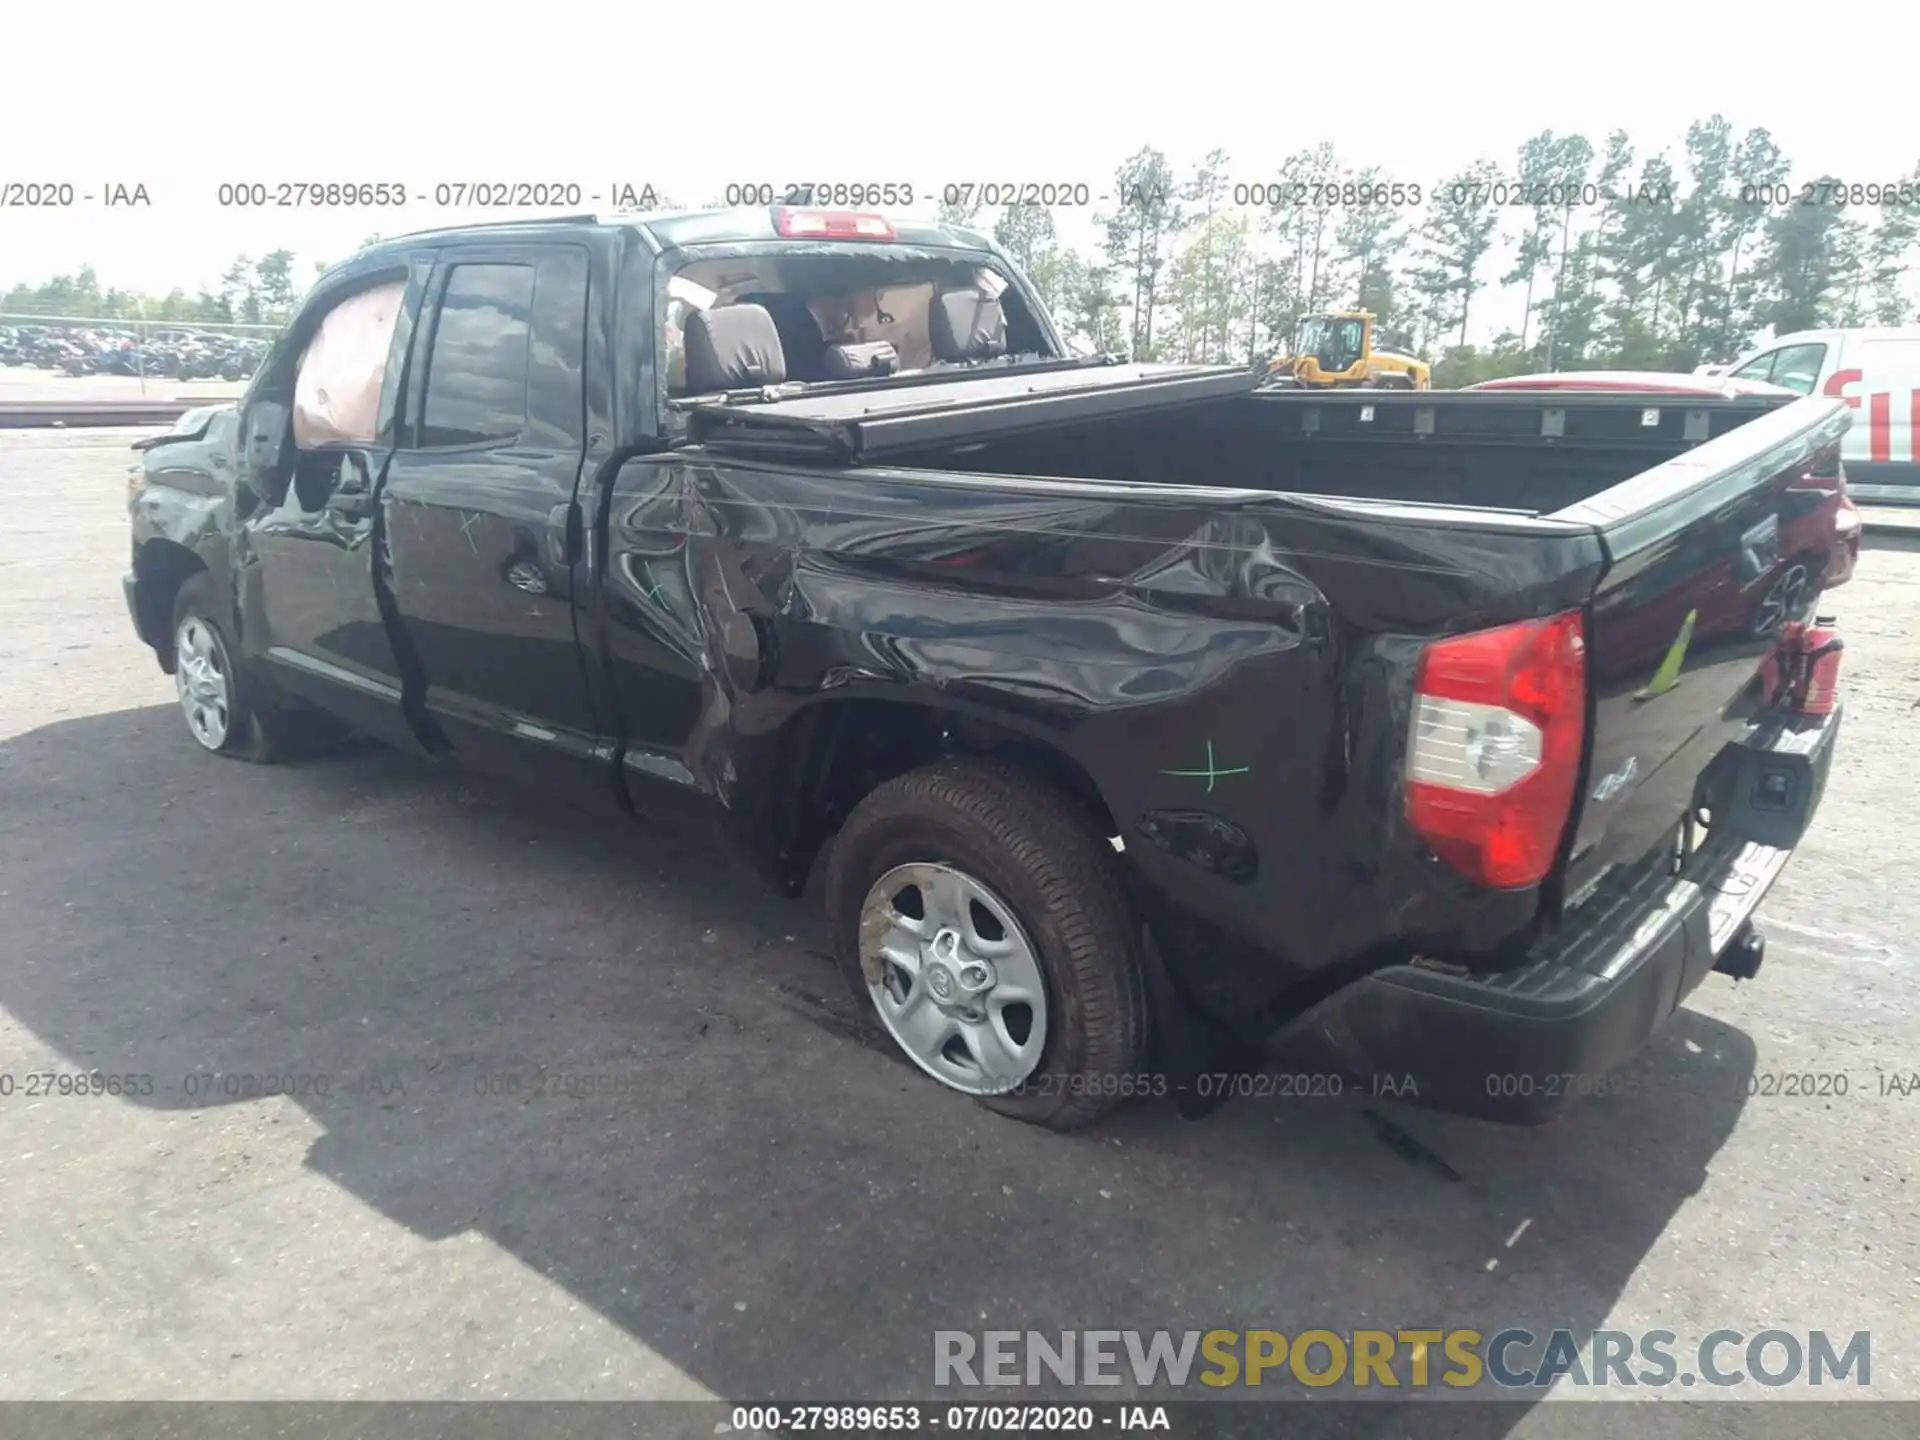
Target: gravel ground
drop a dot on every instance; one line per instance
(737, 1197)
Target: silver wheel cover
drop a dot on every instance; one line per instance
(954, 976)
(200, 678)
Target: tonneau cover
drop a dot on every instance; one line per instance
(865, 421)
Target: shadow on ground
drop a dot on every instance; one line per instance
(775, 1206)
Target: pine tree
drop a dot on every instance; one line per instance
(1140, 234)
(1370, 237)
(1889, 253)
(1801, 270)
(1461, 225)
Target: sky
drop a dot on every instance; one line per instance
(694, 98)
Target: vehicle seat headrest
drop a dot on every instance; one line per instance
(966, 325)
(854, 362)
(801, 338)
(732, 347)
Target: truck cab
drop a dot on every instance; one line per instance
(414, 468)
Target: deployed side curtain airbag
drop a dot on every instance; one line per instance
(336, 396)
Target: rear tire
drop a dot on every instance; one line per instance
(220, 707)
(1014, 848)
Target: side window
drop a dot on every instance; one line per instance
(1758, 368)
(476, 380)
(336, 389)
(1798, 367)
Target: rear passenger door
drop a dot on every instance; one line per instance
(482, 532)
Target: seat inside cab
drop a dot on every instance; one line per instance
(825, 318)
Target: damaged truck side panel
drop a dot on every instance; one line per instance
(1174, 659)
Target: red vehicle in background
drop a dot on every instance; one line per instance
(1820, 516)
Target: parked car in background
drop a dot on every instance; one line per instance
(112, 348)
(1665, 381)
(1876, 371)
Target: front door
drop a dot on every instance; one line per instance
(307, 533)
(482, 534)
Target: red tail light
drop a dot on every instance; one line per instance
(1493, 749)
(798, 224)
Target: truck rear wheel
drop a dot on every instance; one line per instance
(983, 927)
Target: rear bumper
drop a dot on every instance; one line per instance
(1521, 1045)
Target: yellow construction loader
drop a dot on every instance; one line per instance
(1335, 351)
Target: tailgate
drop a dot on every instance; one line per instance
(1709, 555)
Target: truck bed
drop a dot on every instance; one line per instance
(1160, 425)
(1486, 451)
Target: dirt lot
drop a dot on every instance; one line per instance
(738, 1198)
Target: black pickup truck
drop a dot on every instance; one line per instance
(1128, 715)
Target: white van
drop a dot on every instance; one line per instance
(1877, 372)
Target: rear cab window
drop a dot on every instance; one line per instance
(856, 299)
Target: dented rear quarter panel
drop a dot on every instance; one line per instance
(1227, 667)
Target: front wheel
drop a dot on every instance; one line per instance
(219, 709)
(982, 924)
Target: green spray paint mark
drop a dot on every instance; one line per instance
(1212, 772)
(653, 595)
(1668, 675)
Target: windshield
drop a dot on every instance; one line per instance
(825, 307)
(1334, 342)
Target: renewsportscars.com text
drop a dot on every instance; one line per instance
(1511, 1359)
